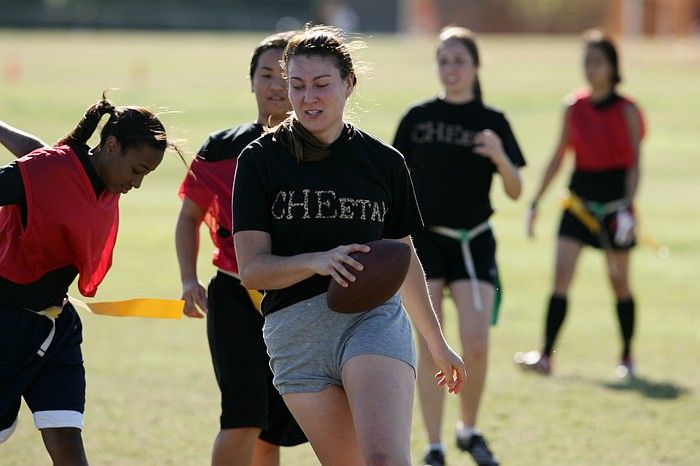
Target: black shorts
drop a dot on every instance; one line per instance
(442, 256)
(242, 366)
(52, 385)
(572, 227)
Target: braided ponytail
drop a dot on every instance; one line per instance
(132, 127)
(88, 124)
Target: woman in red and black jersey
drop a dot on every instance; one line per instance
(254, 420)
(605, 131)
(59, 215)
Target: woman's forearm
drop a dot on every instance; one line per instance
(416, 300)
(512, 183)
(262, 270)
(18, 142)
(187, 247)
(547, 177)
(265, 271)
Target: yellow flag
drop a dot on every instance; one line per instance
(139, 307)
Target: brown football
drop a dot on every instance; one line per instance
(385, 268)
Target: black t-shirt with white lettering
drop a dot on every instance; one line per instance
(360, 192)
(452, 182)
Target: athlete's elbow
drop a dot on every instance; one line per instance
(515, 193)
(248, 278)
(514, 189)
(253, 278)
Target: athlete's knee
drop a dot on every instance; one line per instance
(563, 274)
(65, 446)
(622, 294)
(238, 434)
(620, 287)
(474, 344)
(475, 349)
(266, 448)
(562, 281)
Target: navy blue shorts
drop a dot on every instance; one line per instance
(242, 366)
(52, 385)
(442, 256)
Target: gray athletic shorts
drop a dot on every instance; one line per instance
(308, 343)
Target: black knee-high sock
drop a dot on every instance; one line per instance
(625, 314)
(556, 312)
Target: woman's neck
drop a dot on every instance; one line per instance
(462, 97)
(331, 134)
(95, 157)
(601, 93)
(271, 120)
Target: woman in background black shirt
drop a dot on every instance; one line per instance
(453, 145)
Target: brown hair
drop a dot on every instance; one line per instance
(467, 38)
(596, 38)
(131, 126)
(275, 41)
(320, 41)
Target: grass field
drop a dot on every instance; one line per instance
(152, 398)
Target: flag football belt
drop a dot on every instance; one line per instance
(591, 214)
(464, 237)
(254, 295)
(140, 307)
(151, 308)
(51, 313)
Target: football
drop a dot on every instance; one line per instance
(385, 268)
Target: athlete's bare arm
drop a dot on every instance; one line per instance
(18, 142)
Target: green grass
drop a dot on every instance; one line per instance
(152, 399)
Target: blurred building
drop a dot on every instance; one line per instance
(155, 14)
(652, 17)
(648, 17)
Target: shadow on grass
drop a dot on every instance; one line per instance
(658, 390)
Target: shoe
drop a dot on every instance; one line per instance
(476, 446)
(625, 369)
(534, 361)
(434, 458)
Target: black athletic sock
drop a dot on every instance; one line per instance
(625, 314)
(556, 312)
